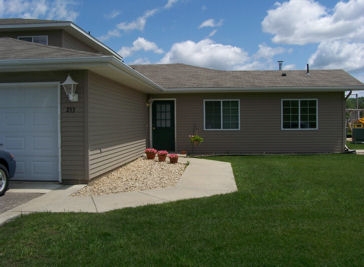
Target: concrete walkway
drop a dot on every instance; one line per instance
(202, 178)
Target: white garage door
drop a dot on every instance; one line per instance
(29, 128)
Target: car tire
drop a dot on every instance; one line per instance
(4, 180)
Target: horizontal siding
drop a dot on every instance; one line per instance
(113, 157)
(73, 140)
(260, 125)
(117, 125)
(68, 41)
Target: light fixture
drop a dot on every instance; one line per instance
(69, 86)
(149, 101)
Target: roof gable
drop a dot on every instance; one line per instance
(68, 26)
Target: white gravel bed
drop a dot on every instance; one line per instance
(139, 175)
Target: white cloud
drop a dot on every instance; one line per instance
(113, 14)
(206, 53)
(339, 33)
(211, 23)
(138, 45)
(60, 9)
(339, 55)
(137, 24)
(306, 21)
(170, 3)
(212, 33)
(56, 9)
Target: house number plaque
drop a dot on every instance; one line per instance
(70, 109)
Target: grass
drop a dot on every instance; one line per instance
(289, 211)
(354, 146)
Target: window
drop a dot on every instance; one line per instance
(299, 114)
(163, 115)
(222, 114)
(41, 39)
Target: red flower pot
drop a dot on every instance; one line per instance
(173, 160)
(162, 158)
(150, 155)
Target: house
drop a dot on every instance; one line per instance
(120, 110)
(53, 138)
(251, 112)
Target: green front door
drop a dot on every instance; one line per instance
(163, 125)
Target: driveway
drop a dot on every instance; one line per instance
(22, 192)
(11, 200)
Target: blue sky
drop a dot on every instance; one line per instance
(230, 34)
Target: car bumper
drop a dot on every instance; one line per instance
(12, 168)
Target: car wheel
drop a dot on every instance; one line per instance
(4, 181)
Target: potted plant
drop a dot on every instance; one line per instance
(173, 158)
(195, 139)
(162, 155)
(150, 152)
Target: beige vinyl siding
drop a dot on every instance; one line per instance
(68, 41)
(117, 125)
(73, 132)
(260, 125)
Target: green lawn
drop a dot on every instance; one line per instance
(355, 146)
(289, 211)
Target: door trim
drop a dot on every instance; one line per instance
(151, 119)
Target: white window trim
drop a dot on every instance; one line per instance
(299, 114)
(33, 36)
(220, 129)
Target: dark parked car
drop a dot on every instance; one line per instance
(7, 170)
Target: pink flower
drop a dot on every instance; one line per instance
(173, 156)
(150, 150)
(162, 152)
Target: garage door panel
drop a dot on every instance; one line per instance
(44, 120)
(44, 168)
(44, 144)
(15, 143)
(29, 128)
(20, 167)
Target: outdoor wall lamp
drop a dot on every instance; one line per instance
(149, 102)
(69, 86)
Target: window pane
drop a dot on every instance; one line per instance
(163, 115)
(230, 114)
(290, 114)
(213, 114)
(40, 39)
(308, 114)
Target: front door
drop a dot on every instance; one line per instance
(163, 125)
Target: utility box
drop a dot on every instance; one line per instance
(358, 135)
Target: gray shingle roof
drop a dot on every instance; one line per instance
(178, 76)
(16, 49)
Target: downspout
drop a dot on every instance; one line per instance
(349, 94)
(346, 148)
